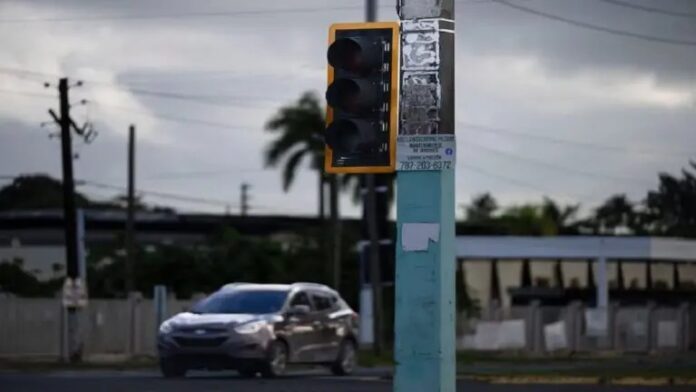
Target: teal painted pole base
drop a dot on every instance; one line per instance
(425, 302)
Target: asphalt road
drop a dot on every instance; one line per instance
(149, 381)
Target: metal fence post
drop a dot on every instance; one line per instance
(613, 309)
(683, 327)
(574, 326)
(533, 322)
(651, 325)
(134, 299)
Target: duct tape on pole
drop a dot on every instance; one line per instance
(426, 140)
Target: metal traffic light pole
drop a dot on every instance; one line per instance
(425, 261)
(370, 216)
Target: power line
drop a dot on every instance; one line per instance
(550, 139)
(198, 14)
(520, 183)
(165, 117)
(26, 73)
(194, 14)
(184, 120)
(26, 94)
(609, 30)
(196, 98)
(654, 10)
(185, 96)
(186, 198)
(203, 173)
(227, 126)
(553, 166)
(163, 195)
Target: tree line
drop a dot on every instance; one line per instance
(669, 210)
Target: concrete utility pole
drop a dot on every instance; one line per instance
(336, 233)
(130, 219)
(370, 200)
(425, 264)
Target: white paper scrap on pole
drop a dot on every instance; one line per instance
(425, 152)
(417, 236)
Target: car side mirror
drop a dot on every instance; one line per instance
(299, 310)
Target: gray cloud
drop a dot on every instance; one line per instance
(515, 71)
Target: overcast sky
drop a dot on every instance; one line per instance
(544, 106)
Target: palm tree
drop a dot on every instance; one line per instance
(616, 213)
(672, 207)
(481, 209)
(562, 217)
(549, 218)
(300, 128)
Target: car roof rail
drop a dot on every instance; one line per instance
(313, 285)
(233, 285)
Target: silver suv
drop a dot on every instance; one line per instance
(261, 328)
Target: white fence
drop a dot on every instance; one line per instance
(578, 329)
(35, 327)
(128, 327)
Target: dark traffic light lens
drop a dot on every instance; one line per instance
(343, 136)
(344, 94)
(352, 95)
(351, 136)
(346, 54)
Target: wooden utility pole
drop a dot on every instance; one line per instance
(244, 199)
(69, 212)
(73, 352)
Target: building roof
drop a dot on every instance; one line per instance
(576, 248)
(43, 227)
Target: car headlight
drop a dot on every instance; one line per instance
(252, 327)
(166, 328)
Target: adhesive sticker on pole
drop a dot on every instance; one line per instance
(425, 152)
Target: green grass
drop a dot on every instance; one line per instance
(367, 358)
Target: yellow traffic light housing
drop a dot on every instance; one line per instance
(362, 98)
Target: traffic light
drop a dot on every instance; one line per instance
(362, 97)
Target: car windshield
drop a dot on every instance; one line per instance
(242, 301)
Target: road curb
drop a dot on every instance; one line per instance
(568, 380)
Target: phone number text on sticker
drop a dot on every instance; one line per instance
(425, 152)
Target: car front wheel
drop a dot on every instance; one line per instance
(277, 360)
(345, 362)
